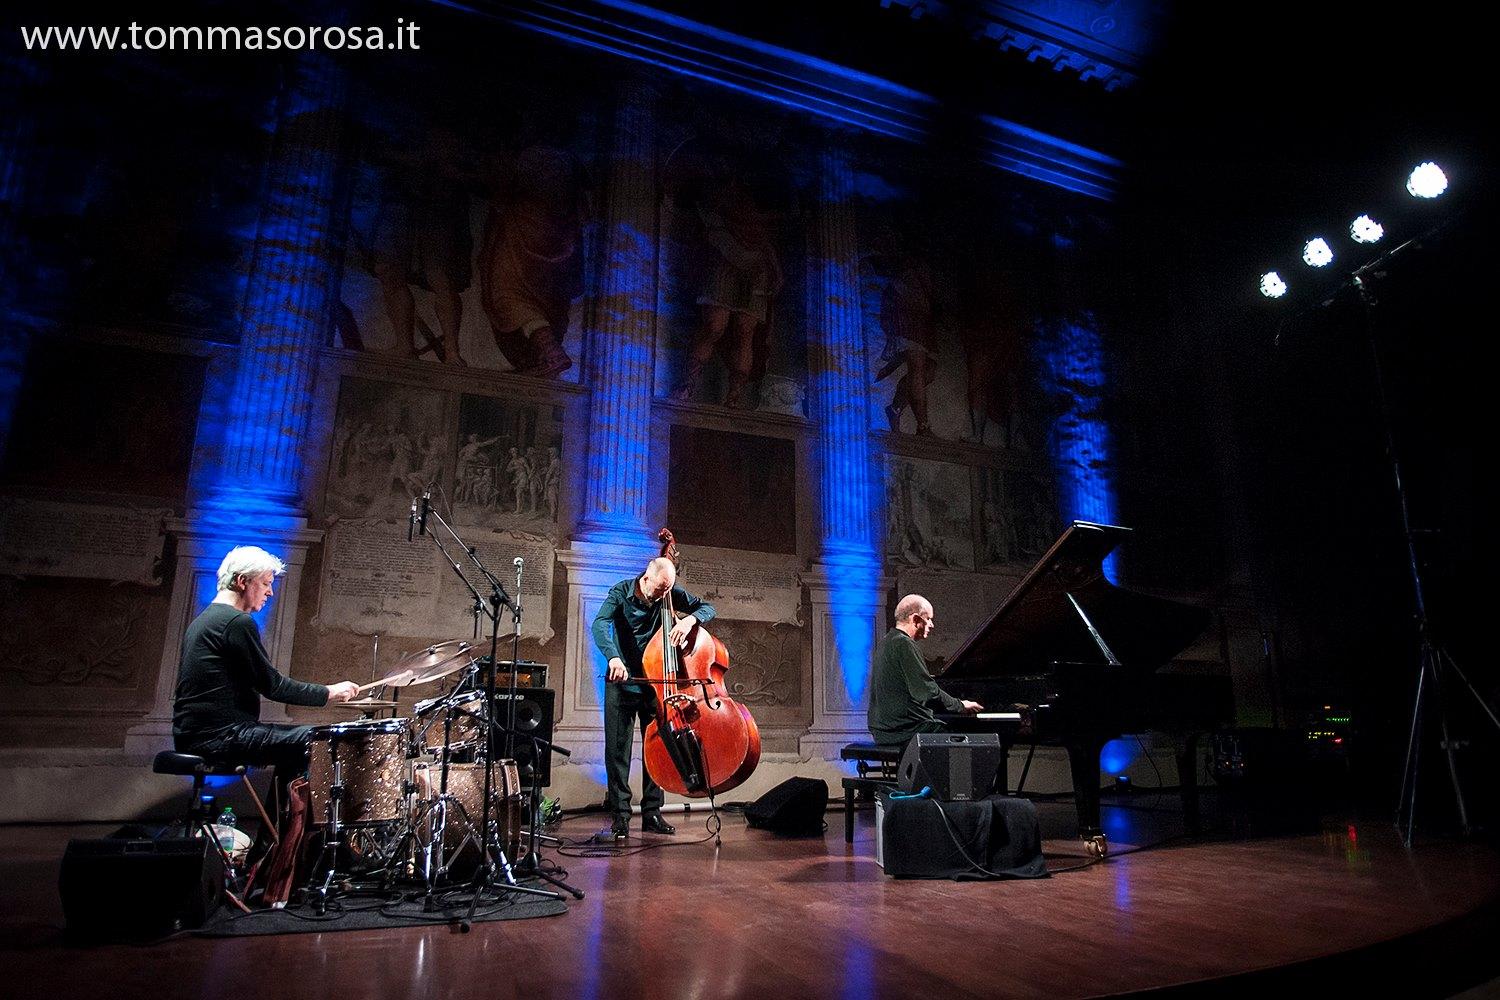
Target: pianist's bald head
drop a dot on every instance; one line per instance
(914, 616)
(912, 604)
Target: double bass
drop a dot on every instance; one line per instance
(702, 742)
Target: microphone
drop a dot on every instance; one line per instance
(518, 562)
(411, 521)
(426, 506)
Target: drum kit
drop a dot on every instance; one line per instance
(400, 800)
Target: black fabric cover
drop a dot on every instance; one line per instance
(999, 833)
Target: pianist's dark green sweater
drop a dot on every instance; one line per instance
(902, 692)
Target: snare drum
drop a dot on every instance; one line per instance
(464, 733)
(466, 786)
(373, 758)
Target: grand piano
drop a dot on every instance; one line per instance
(1071, 660)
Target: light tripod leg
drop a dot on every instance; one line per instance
(1450, 749)
(1406, 809)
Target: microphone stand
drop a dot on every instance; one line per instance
(531, 864)
(484, 878)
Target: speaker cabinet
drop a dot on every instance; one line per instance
(136, 889)
(794, 808)
(958, 767)
(533, 718)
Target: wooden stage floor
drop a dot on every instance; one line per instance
(777, 919)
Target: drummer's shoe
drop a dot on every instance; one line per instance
(652, 822)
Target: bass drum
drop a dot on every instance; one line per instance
(465, 812)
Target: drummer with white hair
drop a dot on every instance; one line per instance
(225, 671)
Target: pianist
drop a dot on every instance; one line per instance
(902, 692)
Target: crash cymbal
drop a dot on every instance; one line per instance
(427, 665)
(436, 662)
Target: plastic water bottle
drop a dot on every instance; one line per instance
(226, 824)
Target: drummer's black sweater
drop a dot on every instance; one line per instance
(225, 670)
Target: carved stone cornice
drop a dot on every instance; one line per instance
(817, 87)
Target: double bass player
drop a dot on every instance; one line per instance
(624, 625)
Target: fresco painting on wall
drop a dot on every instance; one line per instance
(928, 513)
(1018, 516)
(467, 248)
(716, 497)
(389, 442)
(910, 306)
(508, 468)
(730, 274)
(135, 436)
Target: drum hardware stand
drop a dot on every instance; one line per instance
(485, 877)
(333, 838)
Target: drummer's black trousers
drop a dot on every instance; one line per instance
(257, 744)
(624, 710)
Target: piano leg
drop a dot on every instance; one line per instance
(1083, 759)
(1187, 782)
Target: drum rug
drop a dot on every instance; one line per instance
(359, 913)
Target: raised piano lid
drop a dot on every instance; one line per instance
(1064, 610)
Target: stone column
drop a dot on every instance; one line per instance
(845, 584)
(289, 298)
(250, 473)
(20, 78)
(614, 540)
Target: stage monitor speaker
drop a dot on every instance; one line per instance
(533, 718)
(138, 889)
(794, 808)
(958, 767)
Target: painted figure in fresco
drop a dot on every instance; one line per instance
(421, 238)
(531, 263)
(520, 476)
(906, 316)
(918, 542)
(430, 469)
(536, 473)
(738, 298)
(996, 317)
(552, 482)
(403, 462)
(1001, 545)
(472, 463)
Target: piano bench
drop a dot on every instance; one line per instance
(876, 765)
(853, 785)
(866, 754)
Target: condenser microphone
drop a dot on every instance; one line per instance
(411, 521)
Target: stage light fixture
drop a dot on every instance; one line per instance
(1271, 285)
(1427, 181)
(1316, 252)
(1366, 230)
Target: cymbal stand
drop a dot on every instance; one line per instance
(489, 849)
